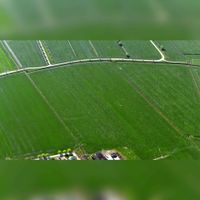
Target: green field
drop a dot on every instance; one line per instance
(140, 49)
(181, 49)
(108, 49)
(146, 111)
(112, 118)
(59, 51)
(27, 124)
(62, 51)
(195, 61)
(27, 52)
(6, 62)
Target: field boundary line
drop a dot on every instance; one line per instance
(123, 48)
(151, 104)
(93, 47)
(10, 57)
(194, 82)
(176, 150)
(73, 51)
(125, 51)
(19, 65)
(49, 105)
(162, 157)
(43, 51)
(156, 109)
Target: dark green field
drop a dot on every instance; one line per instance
(145, 110)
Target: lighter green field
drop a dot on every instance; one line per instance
(6, 62)
(184, 50)
(27, 52)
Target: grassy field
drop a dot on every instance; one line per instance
(145, 111)
(97, 104)
(140, 49)
(181, 49)
(108, 49)
(59, 51)
(101, 108)
(195, 61)
(27, 124)
(6, 62)
(27, 52)
(172, 90)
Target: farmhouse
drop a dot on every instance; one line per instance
(72, 155)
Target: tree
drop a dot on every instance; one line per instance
(69, 150)
(162, 48)
(120, 43)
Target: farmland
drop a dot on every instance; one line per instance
(6, 62)
(144, 109)
(182, 49)
(25, 50)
